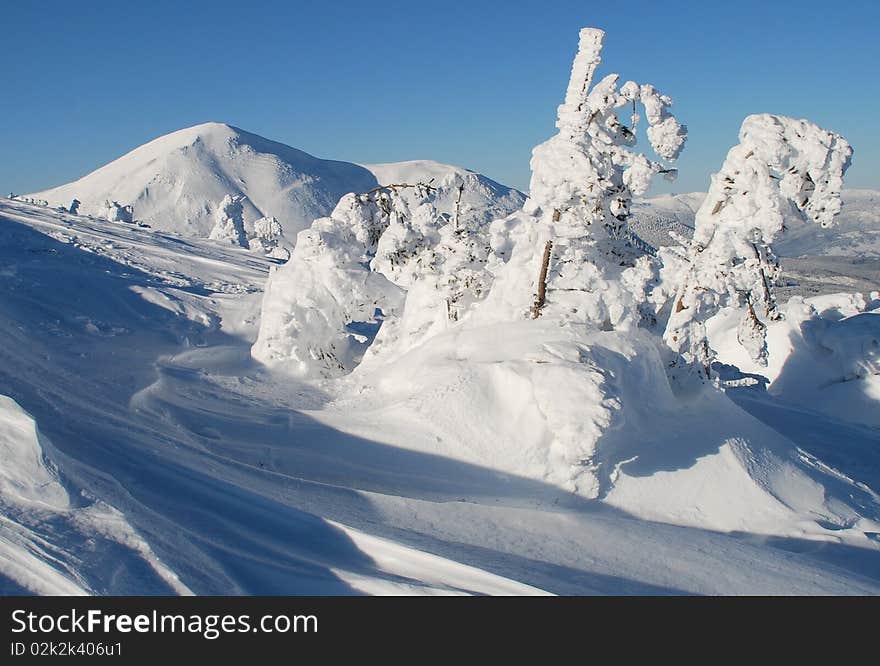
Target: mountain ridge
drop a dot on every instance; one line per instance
(176, 181)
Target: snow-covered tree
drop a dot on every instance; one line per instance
(319, 305)
(229, 222)
(74, 207)
(584, 178)
(268, 231)
(268, 237)
(116, 212)
(385, 255)
(404, 249)
(778, 164)
(443, 251)
(462, 278)
(575, 240)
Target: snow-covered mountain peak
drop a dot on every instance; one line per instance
(176, 182)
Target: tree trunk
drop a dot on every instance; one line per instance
(542, 281)
(769, 300)
(458, 206)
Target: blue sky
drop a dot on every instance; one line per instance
(469, 83)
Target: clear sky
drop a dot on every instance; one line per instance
(469, 83)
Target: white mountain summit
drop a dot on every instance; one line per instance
(177, 181)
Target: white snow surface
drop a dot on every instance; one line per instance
(824, 352)
(149, 454)
(177, 181)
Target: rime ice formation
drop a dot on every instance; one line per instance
(779, 162)
(317, 302)
(390, 256)
(115, 212)
(268, 237)
(229, 222)
(583, 181)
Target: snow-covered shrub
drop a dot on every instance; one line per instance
(462, 278)
(268, 237)
(74, 207)
(423, 268)
(320, 307)
(229, 222)
(116, 212)
(779, 162)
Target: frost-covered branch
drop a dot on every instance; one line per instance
(427, 187)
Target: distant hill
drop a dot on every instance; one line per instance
(175, 182)
(856, 233)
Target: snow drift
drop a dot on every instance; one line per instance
(824, 352)
(36, 507)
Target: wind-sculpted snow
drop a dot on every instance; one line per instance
(593, 412)
(445, 389)
(57, 540)
(129, 350)
(824, 352)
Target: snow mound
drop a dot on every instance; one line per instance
(593, 412)
(177, 181)
(823, 354)
(496, 392)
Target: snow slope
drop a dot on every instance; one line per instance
(855, 234)
(176, 182)
(824, 352)
(127, 351)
